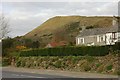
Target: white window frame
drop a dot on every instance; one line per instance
(100, 38)
(81, 40)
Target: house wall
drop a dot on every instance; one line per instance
(110, 40)
(91, 40)
(0, 48)
(102, 39)
(119, 37)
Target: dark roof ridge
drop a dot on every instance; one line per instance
(98, 31)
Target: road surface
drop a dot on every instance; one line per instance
(13, 72)
(10, 74)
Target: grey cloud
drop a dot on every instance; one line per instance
(25, 16)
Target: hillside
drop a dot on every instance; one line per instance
(65, 28)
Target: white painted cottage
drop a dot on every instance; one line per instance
(99, 36)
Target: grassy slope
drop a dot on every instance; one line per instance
(61, 24)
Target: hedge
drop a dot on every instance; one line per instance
(71, 51)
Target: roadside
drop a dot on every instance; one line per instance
(58, 72)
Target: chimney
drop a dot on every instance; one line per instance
(115, 21)
(82, 28)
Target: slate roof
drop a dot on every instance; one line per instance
(97, 31)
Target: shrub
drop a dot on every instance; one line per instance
(90, 58)
(90, 27)
(118, 72)
(69, 51)
(97, 65)
(5, 61)
(100, 69)
(28, 65)
(74, 59)
(46, 66)
(109, 67)
(86, 66)
(20, 47)
(57, 64)
(18, 63)
(14, 54)
(23, 64)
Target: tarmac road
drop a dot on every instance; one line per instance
(13, 72)
(10, 74)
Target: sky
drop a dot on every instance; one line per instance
(25, 16)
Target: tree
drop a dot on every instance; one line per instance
(28, 43)
(6, 44)
(4, 27)
(35, 44)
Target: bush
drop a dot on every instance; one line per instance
(5, 61)
(86, 66)
(57, 64)
(109, 67)
(97, 65)
(46, 66)
(118, 72)
(18, 63)
(71, 51)
(90, 58)
(100, 68)
(28, 65)
(23, 64)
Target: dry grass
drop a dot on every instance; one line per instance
(61, 23)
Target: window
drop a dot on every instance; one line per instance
(81, 40)
(118, 36)
(100, 38)
(114, 35)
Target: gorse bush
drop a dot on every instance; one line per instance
(70, 51)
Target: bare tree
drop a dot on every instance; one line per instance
(4, 27)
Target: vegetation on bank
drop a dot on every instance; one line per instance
(5, 61)
(105, 64)
(11, 45)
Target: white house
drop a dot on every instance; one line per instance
(98, 36)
